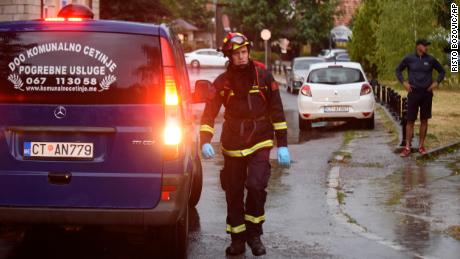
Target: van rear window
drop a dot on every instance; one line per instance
(80, 68)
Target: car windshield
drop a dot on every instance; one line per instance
(304, 64)
(335, 76)
(324, 52)
(80, 67)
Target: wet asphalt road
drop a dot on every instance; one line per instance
(400, 209)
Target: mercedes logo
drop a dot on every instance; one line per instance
(60, 112)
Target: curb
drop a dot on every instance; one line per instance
(431, 154)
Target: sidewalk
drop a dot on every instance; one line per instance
(280, 78)
(400, 202)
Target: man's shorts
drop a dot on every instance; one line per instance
(419, 98)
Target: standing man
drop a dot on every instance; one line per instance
(419, 88)
(253, 115)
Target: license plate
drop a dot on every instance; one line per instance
(336, 109)
(58, 150)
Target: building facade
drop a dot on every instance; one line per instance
(347, 9)
(14, 10)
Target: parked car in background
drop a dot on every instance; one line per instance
(330, 54)
(336, 91)
(342, 57)
(96, 128)
(298, 71)
(206, 58)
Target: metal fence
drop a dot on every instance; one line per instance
(395, 104)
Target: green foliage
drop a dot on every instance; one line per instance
(157, 11)
(138, 10)
(193, 12)
(314, 20)
(260, 56)
(398, 30)
(385, 31)
(362, 47)
(252, 16)
(302, 22)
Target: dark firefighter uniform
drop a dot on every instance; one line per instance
(253, 116)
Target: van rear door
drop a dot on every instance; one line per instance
(81, 119)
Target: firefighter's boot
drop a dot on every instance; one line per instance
(237, 247)
(256, 246)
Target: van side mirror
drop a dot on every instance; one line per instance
(202, 90)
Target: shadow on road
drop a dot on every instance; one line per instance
(54, 242)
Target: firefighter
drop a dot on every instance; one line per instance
(253, 116)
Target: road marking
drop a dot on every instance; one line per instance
(333, 182)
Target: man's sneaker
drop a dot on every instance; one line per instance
(256, 246)
(237, 247)
(405, 152)
(422, 150)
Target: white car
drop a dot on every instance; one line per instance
(206, 58)
(298, 71)
(329, 54)
(336, 91)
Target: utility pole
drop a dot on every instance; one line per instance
(219, 25)
(220, 30)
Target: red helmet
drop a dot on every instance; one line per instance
(233, 41)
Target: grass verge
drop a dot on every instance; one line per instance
(389, 126)
(454, 231)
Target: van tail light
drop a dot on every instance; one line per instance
(365, 89)
(166, 191)
(63, 19)
(74, 19)
(306, 90)
(172, 134)
(55, 19)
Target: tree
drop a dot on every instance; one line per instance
(252, 16)
(385, 31)
(313, 21)
(191, 11)
(157, 11)
(305, 21)
(135, 10)
(400, 24)
(363, 47)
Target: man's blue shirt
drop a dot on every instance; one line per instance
(420, 70)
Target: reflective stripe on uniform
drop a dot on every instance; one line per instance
(254, 91)
(280, 125)
(248, 151)
(237, 229)
(255, 220)
(207, 128)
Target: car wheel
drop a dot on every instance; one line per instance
(197, 183)
(288, 89)
(176, 236)
(195, 63)
(304, 124)
(369, 123)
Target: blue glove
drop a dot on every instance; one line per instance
(283, 157)
(207, 151)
